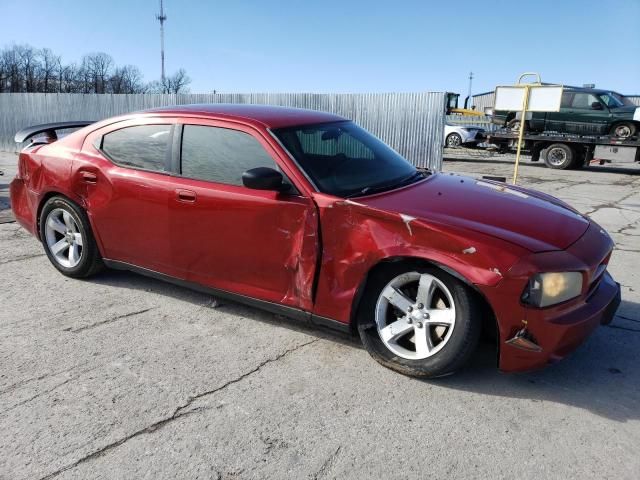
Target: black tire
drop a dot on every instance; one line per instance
(559, 156)
(453, 140)
(455, 352)
(90, 261)
(624, 130)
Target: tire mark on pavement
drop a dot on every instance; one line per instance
(23, 257)
(179, 412)
(108, 320)
(328, 463)
(45, 392)
(21, 383)
(624, 328)
(628, 318)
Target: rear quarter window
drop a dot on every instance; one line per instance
(142, 146)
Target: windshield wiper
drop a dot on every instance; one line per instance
(390, 186)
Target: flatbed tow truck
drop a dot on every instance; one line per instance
(564, 151)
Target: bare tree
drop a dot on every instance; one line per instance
(178, 82)
(48, 66)
(98, 67)
(13, 75)
(29, 66)
(127, 79)
(26, 69)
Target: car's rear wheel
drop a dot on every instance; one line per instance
(624, 130)
(421, 322)
(453, 140)
(558, 156)
(67, 238)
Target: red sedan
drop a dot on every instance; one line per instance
(306, 214)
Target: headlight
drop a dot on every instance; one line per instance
(546, 289)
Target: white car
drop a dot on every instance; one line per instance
(457, 135)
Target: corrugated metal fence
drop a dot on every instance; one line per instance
(411, 123)
(483, 100)
(635, 99)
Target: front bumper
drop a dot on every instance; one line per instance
(559, 332)
(472, 136)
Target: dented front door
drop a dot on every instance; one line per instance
(262, 244)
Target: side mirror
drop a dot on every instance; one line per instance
(263, 178)
(596, 106)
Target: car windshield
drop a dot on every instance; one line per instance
(345, 160)
(614, 100)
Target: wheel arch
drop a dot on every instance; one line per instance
(489, 320)
(617, 122)
(56, 193)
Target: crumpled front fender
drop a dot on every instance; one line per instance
(357, 237)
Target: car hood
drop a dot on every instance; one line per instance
(533, 220)
(627, 109)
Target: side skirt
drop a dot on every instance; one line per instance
(278, 309)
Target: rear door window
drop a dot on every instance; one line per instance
(584, 100)
(220, 154)
(141, 146)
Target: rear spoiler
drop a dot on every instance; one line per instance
(29, 132)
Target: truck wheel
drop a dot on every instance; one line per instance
(419, 321)
(623, 130)
(559, 156)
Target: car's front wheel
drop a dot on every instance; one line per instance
(453, 140)
(624, 130)
(421, 322)
(67, 238)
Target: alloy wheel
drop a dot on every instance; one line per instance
(415, 315)
(622, 131)
(454, 140)
(64, 238)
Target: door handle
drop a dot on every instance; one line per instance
(89, 177)
(188, 196)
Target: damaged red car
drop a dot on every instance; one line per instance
(306, 214)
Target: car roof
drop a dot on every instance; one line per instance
(589, 90)
(269, 116)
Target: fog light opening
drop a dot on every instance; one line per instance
(525, 341)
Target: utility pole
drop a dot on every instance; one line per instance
(470, 83)
(162, 18)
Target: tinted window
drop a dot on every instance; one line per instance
(220, 154)
(584, 100)
(143, 146)
(566, 99)
(344, 160)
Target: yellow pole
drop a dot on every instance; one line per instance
(523, 118)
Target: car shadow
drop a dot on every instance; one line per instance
(130, 280)
(601, 376)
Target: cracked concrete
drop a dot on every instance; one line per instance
(122, 376)
(179, 412)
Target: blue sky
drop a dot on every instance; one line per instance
(346, 46)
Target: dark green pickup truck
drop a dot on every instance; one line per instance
(583, 111)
